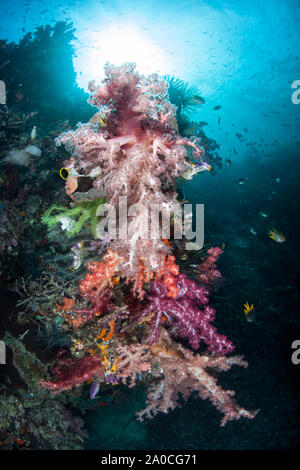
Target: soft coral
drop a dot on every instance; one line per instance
(185, 314)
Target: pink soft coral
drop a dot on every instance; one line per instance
(137, 155)
(207, 270)
(182, 373)
(132, 360)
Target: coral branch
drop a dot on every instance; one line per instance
(185, 314)
(101, 304)
(184, 373)
(207, 270)
(72, 373)
(131, 361)
(169, 272)
(100, 273)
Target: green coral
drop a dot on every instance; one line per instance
(80, 215)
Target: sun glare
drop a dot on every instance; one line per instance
(116, 45)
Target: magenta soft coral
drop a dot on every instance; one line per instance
(185, 313)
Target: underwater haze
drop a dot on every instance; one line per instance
(107, 340)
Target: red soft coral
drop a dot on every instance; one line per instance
(71, 373)
(101, 274)
(169, 273)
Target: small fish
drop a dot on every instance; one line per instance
(203, 166)
(228, 162)
(94, 389)
(66, 173)
(71, 185)
(33, 133)
(249, 312)
(223, 246)
(194, 169)
(277, 180)
(219, 120)
(166, 241)
(98, 119)
(242, 180)
(77, 256)
(218, 106)
(277, 236)
(198, 99)
(251, 230)
(263, 214)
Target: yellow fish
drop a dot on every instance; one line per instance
(277, 236)
(97, 118)
(249, 311)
